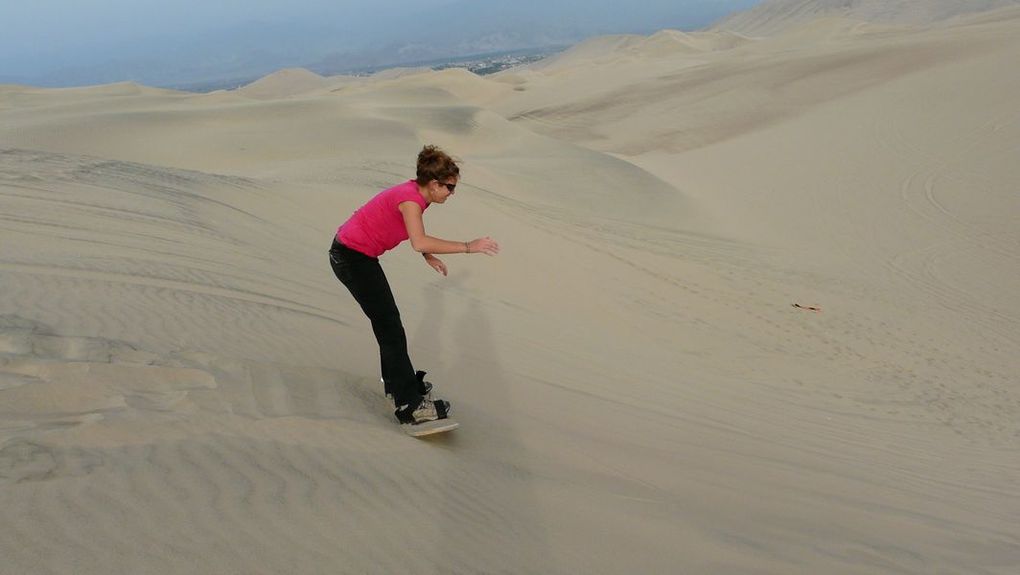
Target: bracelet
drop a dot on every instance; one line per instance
(467, 248)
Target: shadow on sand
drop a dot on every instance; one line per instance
(490, 502)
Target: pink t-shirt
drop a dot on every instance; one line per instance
(378, 226)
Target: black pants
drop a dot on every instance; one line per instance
(366, 281)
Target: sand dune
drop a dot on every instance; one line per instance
(604, 50)
(691, 102)
(774, 16)
(185, 387)
(284, 83)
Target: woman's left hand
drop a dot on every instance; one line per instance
(436, 263)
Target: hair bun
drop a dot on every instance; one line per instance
(435, 164)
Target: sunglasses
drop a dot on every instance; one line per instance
(447, 186)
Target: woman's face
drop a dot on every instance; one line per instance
(442, 189)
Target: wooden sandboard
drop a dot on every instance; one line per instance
(430, 427)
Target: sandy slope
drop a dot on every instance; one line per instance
(184, 387)
(772, 17)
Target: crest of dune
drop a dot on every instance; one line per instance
(284, 83)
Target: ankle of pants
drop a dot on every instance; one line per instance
(413, 401)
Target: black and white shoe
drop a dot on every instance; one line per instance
(427, 410)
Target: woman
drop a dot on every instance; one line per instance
(388, 219)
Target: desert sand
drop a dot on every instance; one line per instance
(756, 311)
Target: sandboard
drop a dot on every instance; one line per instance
(430, 427)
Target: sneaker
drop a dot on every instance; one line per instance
(424, 387)
(427, 410)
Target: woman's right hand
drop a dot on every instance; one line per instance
(485, 245)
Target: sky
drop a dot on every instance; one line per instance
(64, 26)
(74, 42)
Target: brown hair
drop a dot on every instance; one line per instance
(435, 164)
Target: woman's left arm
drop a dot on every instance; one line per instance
(419, 240)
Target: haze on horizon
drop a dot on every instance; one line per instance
(69, 43)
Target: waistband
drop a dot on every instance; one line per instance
(340, 250)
